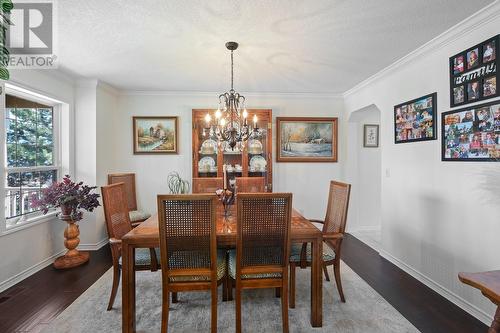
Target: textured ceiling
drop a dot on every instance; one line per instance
(285, 46)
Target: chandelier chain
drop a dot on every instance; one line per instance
(232, 72)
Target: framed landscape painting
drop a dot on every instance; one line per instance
(415, 120)
(155, 135)
(306, 139)
(472, 134)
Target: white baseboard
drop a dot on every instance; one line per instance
(358, 229)
(452, 297)
(93, 247)
(4, 285)
(29, 271)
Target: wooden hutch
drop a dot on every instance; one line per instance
(209, 157)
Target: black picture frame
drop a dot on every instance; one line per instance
(483, 70)
(398, 122)
(458, 144)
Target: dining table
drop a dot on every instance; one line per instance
(146, 235)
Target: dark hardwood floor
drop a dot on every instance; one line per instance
(34, 302)
(424, 308)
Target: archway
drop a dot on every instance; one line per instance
(363, 171)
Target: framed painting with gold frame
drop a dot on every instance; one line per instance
(155, 135)
(306, 139)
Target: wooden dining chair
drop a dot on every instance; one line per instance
(250, 184)
(333, 233)
(207, 185)
(135, 215)
(189, 256)
(262, 247)
(114, 199)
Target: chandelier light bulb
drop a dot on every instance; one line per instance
(245, 113)
(255, 119)
(218, 114)
(208, 118)
(223, 122)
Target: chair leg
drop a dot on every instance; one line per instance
(164, 309)
(284, 306)
(225, 287)
(175, 297)
(114, 288)
(336, 270)
(230, 286)
(238, 307)
(214, 307)
(325, 270)
(292, 285)
(277, 292)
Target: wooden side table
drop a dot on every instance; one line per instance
(489, 284)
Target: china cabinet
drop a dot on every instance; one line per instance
(254, 160)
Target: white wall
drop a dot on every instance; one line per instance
(307, 181)
(438, 218)
(107, 104)
(363, 172)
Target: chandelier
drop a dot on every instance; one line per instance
(230, 126)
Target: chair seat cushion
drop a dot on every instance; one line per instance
(143, 257)
(138, 215)
(221, 271)
(328, 253)
(232, 270)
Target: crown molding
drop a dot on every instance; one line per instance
(469, 24)
(87, 83)
(213, 93)
(108, 88)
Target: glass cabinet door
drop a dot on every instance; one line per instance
(207, 151)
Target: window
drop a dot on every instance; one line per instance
(31, 156)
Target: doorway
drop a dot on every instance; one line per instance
(364, 168)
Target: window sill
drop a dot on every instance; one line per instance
(29, 223)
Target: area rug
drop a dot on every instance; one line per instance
(364, 311)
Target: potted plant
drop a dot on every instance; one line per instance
(72, 198)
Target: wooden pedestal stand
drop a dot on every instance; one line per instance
(73, 257)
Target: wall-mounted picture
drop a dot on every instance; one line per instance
(459, 94)
(458, 64)
(306, 139)
(490, 86)
(370, 136)
(472, 134)
(472, 58)
(415, 120)
(474, 73)
(489, 52)
(155, 135)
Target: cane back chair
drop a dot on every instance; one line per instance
(333, 233)
(118, 224)
(135, 215)
(262, 247)
(189, 256)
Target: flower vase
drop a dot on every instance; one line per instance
(72, 257)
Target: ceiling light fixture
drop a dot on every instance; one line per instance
(230, 125)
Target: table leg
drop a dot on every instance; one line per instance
(495, 325)
(128, 289)
(317, 284)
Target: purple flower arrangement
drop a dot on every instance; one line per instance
(71, 197)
